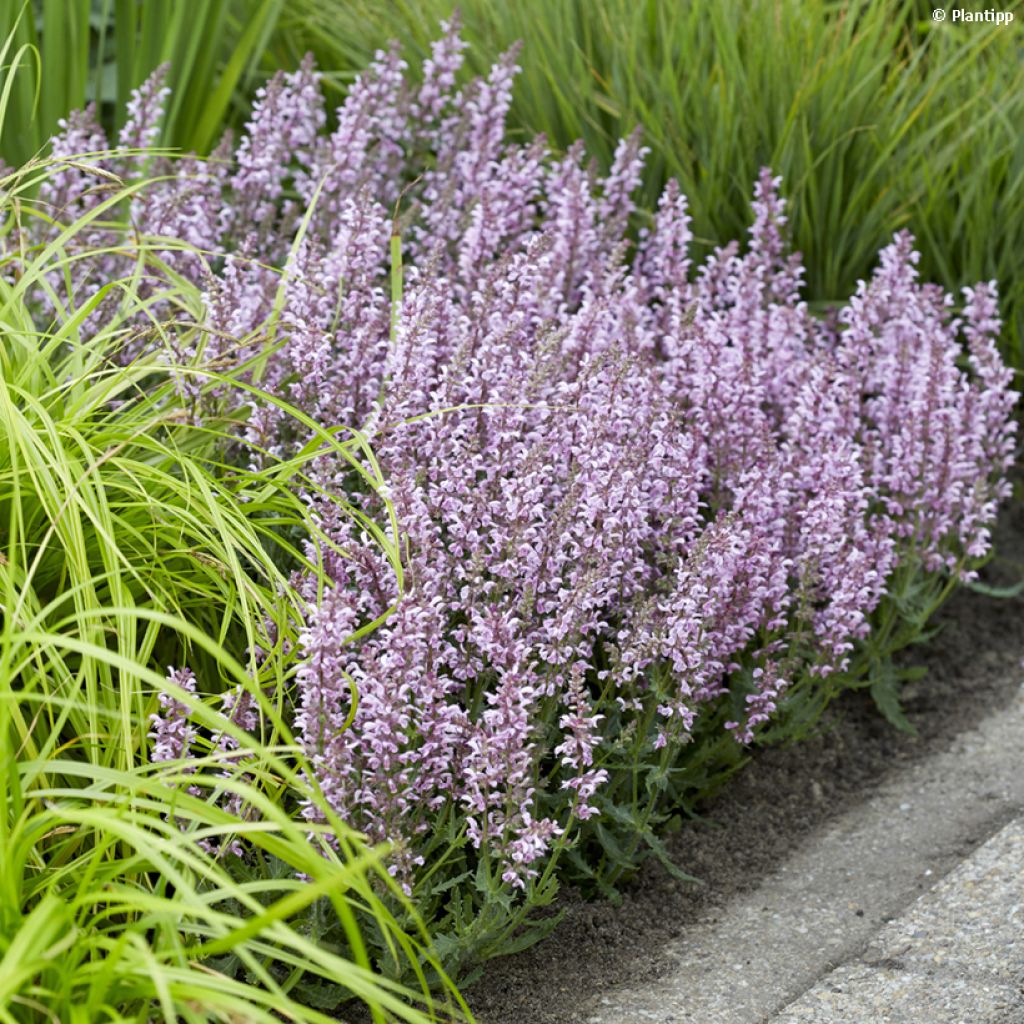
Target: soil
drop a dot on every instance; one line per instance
(974, 668)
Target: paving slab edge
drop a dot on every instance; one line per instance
(956, 956)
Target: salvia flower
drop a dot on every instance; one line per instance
(605, 463)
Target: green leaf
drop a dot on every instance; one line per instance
(530, 935)
(1002, 593)
(912, 674)
(483, 881)
(885, 691)
(660, 851)
(925, 636)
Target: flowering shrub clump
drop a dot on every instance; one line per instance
(629, 493)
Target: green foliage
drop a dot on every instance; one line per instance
(132, 537)
(877, 117)
(78, 51)
(901, 621)
(109, 909)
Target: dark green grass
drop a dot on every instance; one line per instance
(878, 117)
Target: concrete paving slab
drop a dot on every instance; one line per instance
(825, 904)
(955, 957)
(858, 994)
(972, 921)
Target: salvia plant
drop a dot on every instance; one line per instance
(636, 511)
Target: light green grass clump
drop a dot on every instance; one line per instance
(133, 537)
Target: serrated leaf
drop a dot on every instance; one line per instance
(656, 781)
(320, 995)
(448, 883)
(531, 935)
(447, 947)
(579, 863)
(543, 895)
(927, 635)
(660, 851)
(470, 977)
(482, 879)
(885, 691)
(610, 844)
(608, 891)
(620, 814)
